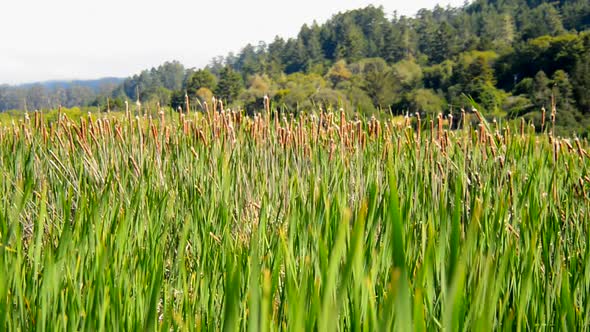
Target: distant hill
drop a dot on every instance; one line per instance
(94, 84)
(51, 94)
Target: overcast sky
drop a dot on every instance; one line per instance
(81, 39)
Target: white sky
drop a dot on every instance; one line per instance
(82, 39)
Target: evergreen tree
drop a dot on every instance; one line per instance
(229, 85)
(351, 42)
(440, 47)
(581, 79)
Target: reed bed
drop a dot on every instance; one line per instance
(216, 220)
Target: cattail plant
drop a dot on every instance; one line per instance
(187, 103)
(237, 222)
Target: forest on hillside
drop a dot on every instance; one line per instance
(511, 57)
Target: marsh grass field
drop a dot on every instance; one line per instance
(215, 220)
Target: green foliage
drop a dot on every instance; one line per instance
(473, 75)
(427, 101)
(253, 97)
(178, 100)
(516, 106)
(408, 74)
(339, 73)
(229, 86)
(204, 95)
(169, 76)
(202, 78)
(540, 21)
(581, 78)
(297, 91)
(378, 81)
(439, 76)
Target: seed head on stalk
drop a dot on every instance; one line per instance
(266, 104)
(127, 115)
(555, 151)
(581, 151)
(481, 133)
(162, 119)
(138, 105)
(36, 119)
(187, 102)
(440, 126)
(463, 119)
(342, 124)
(419, 127)
(566, 142)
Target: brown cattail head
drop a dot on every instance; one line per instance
(138, 104)
(555, 150)
(479, 117)
(36, 121)
(342, 124)
(463, 117)
(127, 113)
(332, 149)
(581, 151)
(187, 103)
(440, 126)
(266, 104)
(59, 115)
(162, 118)
(419, 126)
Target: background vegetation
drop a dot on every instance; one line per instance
(511, 56)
